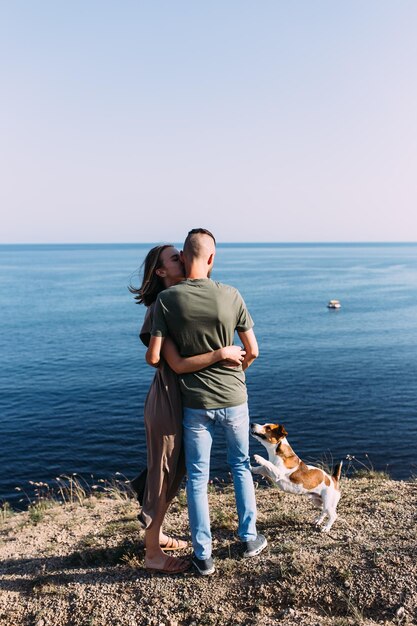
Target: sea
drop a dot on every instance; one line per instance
(73, 378)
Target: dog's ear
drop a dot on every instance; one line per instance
(278, 433)
(282, 431)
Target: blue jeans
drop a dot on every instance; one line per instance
(198, 428)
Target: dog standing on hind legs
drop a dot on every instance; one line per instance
(292, 475)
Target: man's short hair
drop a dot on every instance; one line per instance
(192, 243)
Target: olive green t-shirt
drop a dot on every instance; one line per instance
(201, 315)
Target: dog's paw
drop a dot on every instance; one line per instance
(326, 529)
(259, 459)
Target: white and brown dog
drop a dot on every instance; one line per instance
(286, 469)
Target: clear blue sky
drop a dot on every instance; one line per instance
(263, 121)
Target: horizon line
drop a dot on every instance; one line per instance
(218, 243)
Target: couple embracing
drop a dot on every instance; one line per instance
(200, 382)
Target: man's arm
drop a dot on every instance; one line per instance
(250, 345)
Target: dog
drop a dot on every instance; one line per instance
(292, 475)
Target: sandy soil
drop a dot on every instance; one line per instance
(82, 565)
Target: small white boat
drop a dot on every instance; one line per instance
(334, 304)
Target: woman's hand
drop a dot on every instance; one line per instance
(232, 356)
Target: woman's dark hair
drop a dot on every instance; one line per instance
(152, 284)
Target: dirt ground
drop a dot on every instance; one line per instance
(81, 564)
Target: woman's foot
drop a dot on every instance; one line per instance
(172, 543)
(167, 564)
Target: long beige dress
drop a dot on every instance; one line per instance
(163, 425)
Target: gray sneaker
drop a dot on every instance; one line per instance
(205, 567)
(255, 546)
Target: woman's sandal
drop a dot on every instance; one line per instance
(172, 566)
(173, 544)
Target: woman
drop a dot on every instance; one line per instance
(163, 412)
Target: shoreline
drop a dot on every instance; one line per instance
(81, 563)
(64, 488)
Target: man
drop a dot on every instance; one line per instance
(200, 314)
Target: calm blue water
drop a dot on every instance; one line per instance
(73, 378)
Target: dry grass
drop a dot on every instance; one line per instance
(74, 489)
(81, 562)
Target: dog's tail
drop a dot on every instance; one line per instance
(337, 472)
